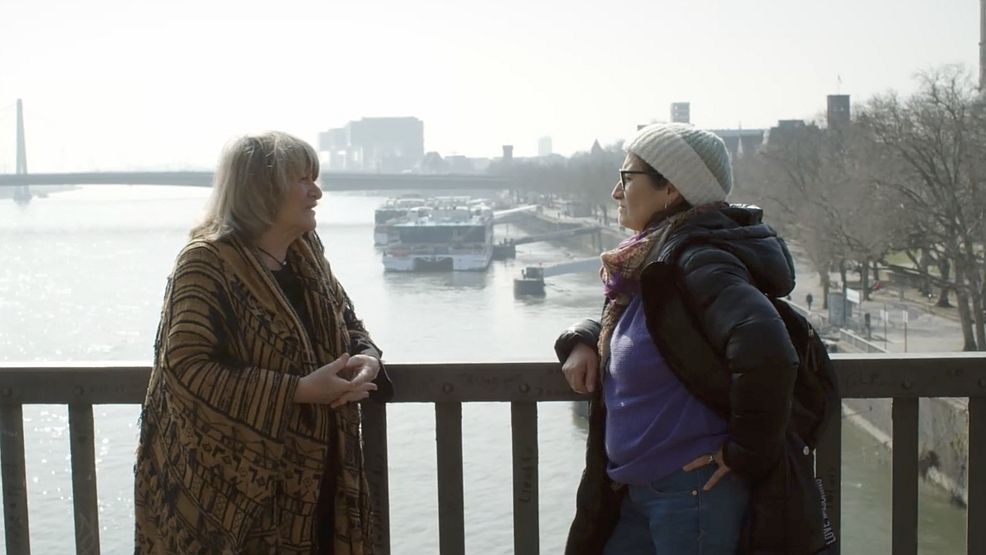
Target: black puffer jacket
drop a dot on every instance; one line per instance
(705, 300)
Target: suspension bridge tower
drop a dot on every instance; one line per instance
(22, 193)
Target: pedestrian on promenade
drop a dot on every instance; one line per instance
(250, 432)
(690, 370)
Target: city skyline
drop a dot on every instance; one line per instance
(113, 85)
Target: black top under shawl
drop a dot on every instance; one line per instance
(295, 292)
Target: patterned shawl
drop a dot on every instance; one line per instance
(622, 266)
(227, 462)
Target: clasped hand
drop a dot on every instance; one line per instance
(326, 386)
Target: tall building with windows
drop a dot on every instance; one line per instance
(838, 112)
(508, 154)
(741, 142)
(387, 145)
(681, 112)
(786, 129)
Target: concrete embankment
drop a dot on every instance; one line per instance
(943, 428)
(943, 435)
(943, 438)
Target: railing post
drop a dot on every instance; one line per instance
(976, 513)
(375, 454)
(524, 429)
(451, 519)
(14, 480)
(905, 476)
(84, 498)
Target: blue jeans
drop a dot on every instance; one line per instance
(673, 516)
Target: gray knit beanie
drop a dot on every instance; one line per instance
(695, 161)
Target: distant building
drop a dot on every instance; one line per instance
(388, 145)
(544, 146)
(839, 111)
(458, 163)
(741, 142)
(479, 165)
(508, 154)
(790, 125)
(681, 112)
(335, 142)
(433, 163)
(597, 149)
(787, 128)
(550, 160)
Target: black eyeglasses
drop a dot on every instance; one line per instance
(658, 178)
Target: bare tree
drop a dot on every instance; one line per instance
(810, 178)
(587, 177)
(594, 174)
(929, 151)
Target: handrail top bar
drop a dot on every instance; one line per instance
(860, 376)
(143, 364)
(110, 364)
(952, 355)
(59, 365)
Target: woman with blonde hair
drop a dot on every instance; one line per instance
(250, 431)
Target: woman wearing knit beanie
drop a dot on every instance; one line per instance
(690, 368)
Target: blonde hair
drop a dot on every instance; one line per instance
(254, 174)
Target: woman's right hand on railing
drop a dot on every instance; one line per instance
(581, 369)
(323, 386)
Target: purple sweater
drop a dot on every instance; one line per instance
(654, 426)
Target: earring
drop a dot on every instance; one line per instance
(666, 203)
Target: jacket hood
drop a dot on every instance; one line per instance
(739, 230)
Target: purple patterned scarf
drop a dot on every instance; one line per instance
(622, 266)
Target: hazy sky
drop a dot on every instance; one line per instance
(114, 84)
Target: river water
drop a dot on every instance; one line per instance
(82, 277)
